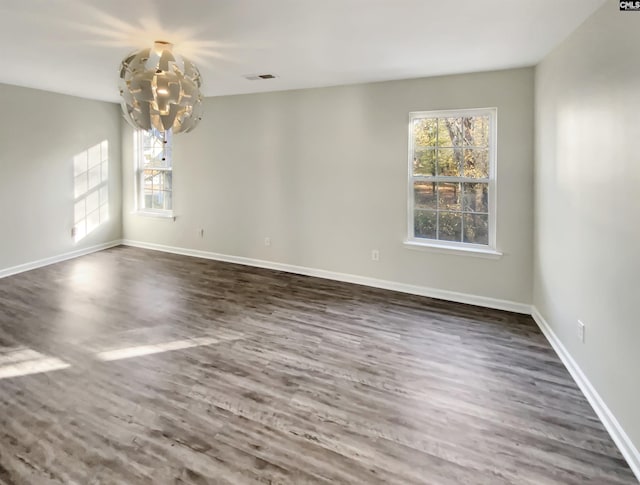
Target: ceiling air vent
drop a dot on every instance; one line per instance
(259, 77)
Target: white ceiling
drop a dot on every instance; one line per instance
(75, 46)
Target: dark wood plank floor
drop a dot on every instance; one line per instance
(133, 366)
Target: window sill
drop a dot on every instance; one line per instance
(156, 214)
(451, 249)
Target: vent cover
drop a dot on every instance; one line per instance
(259, 77)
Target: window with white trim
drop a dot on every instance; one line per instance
(154, 176)
(452, 169)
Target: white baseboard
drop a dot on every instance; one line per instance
(620, 438)
(56, 259)
(347, 278)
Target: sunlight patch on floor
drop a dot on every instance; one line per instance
(137, 351)
(22, 362)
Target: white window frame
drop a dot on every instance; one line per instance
(140, 209)
(413, 242)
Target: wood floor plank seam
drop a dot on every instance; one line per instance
(299, 380)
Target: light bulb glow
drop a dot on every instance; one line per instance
(160, 90)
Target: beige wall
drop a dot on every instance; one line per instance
(40, 134)
(322, 172)
(587, 229)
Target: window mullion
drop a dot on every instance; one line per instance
(451, 179)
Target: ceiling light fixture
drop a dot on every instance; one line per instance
(160, 90)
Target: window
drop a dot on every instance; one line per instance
(452, 178)
(153, 172)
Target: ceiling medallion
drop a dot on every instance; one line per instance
(160, 90)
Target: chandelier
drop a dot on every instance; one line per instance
(160, 90)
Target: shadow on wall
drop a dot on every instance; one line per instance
(91, 190)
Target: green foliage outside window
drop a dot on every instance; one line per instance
(449, 155)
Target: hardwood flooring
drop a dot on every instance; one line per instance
(133, 366)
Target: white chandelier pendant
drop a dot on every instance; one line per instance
(160, 90)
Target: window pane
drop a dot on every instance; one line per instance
(449, 226)
(157, 199)
(476, 131)
(424, 162)
(153, 138)
(425, 224)
(476, 197)
(157, 180)
(449, 132)
(425, 195)
(156, 158)
(476, 163)
(424, 132)
(449, 162)
(476, 228)
(168, 177)
(147, 179)
(155, 152)
(449, 195)
(167, 200)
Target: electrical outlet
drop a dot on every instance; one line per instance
(581, 331)
(375, 255)
(267, 241)
(201, 233)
